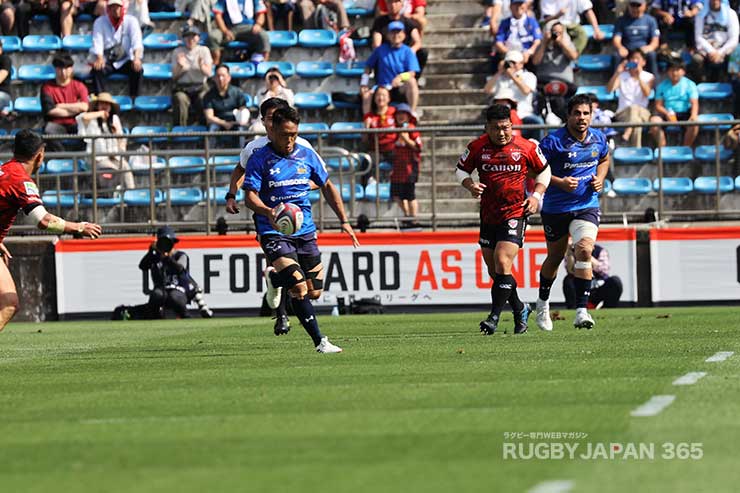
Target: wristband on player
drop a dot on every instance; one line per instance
(230, 195)
(345, 222)
(538, 196)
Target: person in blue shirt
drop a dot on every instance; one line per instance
(282, 172)
(579, 158)
(676, 16)
(636, 30)
(676, 99)
(520, 32)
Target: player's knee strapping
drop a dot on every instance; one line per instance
(291, 277)
(309, 264)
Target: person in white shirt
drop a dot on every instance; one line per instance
(117, 48)
(716, 35)
(191, 66)
(633, 86)
(569, 12)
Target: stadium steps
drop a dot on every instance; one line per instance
(453, 6)
(458, 36)
(457, 20)
(452, 97)
(474, 81)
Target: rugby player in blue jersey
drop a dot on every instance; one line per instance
(280, 172)
(579, 158)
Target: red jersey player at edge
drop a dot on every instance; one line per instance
(503, 162)
(19, 192)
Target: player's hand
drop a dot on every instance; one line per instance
(570, 184)
(5, 253)
(91, 230)
(347, 228)
(476, 189)
(597, 183)
(231, 206)
(531, 205)
(272, 215)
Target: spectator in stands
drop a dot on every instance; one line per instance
(62, 99)
(276, 87)
(395, 68)
(569, 12)
(633, 85)
(496, 10)
(117, 48)
(381, 115)
(162, 6)
(6, 66)
(191, 67)
(139, 9)
(733, 70)
(554, 59)
(7, 17)
(221, 105)
(412, 36)
(25, 10)
(605, 289)
(240, 20)
(676, 99)
(102, 119)
(324, 14)
(676, 16)
(281, 13)
(716, 36)
(520, 32)
(514, 83)
(637, 30)
(406, 160)
(413, 9)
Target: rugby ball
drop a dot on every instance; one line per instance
(288, 218)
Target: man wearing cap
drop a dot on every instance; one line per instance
(636, 30)
(395, 67)
(117, 48)
(191, 67)
(240, 20)
(411, 29)
(518, 32)
(62, 99)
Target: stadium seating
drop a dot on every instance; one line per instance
(189, 128)
(708, 153)
(124, 102)
(42, 42)
(241, 70)
(632, 186)
(286, 68)
(350, 69)
(737, 183)
(595, 63)
(674, 154)
(187, 165)
(140, 164)
(283, 39)
(309, 69)
(347, 126)
(312, 100)
(354, 10)
(143, 130)
(157, 71)
(13, 73)
(334, 162)
(633, 155)
(312, 127)
(600, 92)
(26, 104)
(142, 197)
(607, 186)
(314, 196)
(317, 38)
(77, 42)
(11, 44)
(373, 191)
(249, 101)
(714, 90)
(153, 103)
(674, 185)
(224, 164)
(65, 198)
(708, 184)
(166, 16)
(185, 196)
(36, 73)
(219, 195)
(60, 166)
(347, 105)
(359, 192)
(710, 117)
(161, 41)
(102, 201)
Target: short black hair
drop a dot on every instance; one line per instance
(62, 60)
(578, 100)
(222, 65)
(635, 52)
(287, 114)
(497, 112)
(676, 63)
(27, 144)
(593, 97)
(271, 103)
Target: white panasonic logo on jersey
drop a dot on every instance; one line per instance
(287, 183)
(586, 164)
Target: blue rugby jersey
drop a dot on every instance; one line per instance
(569, 157)
(285, 179)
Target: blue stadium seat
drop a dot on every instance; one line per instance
(219, 195)
(143, 130)
(36, 73)
(312, 100)
(248, 98)
(283, 39)
(312, 127)
(84, 18)
(234, 45)
(224, 164)
(714, 90)
(607, 29)
(708, 117)
(317, 38)
(314, 196)
(11, 44)
(42, 42)
(334, 162)
(355, 11)
(632, 186)
(13, 73)
(708, 184)
(26, 104)
(66, 198)
(707, 153)
(166, 16)
(348, 105)
(385, 166)
(241, 70)
(286, 68)
(737, 183)
(633, 155)
(372, 191)
(595, 63)
(77, 42)
(185, 196)
(675, 154)
(347, 126)
(124, 102)
(102, 201)
(152, 103)
(142, 197)
(350, 69)
(140, 164)
(189, 128)
(157, 71)
(59, 166)
(309, 70)
(359, 192)
(40, 18)
(187, 165)
(607, 186)
(161, 41)
(599, 91)
(674, 185)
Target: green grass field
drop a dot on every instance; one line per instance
(416, 403)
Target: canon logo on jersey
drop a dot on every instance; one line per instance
(493, 168)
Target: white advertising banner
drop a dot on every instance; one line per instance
(697, 264)
(444, 268)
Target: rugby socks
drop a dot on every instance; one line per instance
(503, 285)
(545, 286)
(514, 302)
(307, 315)
(583, 291)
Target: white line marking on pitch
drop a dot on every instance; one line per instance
(653, 406)
(690, 378)
(557, 486)
(720, 356)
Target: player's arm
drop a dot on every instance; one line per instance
(236, 180)
(597, 180)
(541, 182)
(334, 199)
(46, 221)
(465, 166)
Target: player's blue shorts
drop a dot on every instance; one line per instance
(556, 225)
(296, 247)
(511, 230)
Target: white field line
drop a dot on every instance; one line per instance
(555, 486)
(720, 356)
(653, 406)
(690, 378)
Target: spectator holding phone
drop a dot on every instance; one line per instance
(633, 85)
